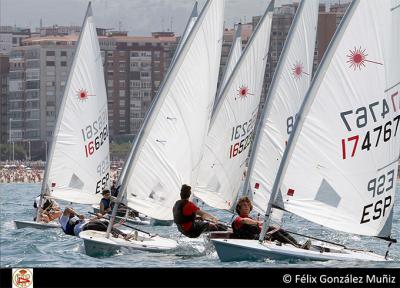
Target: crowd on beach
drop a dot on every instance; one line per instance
(33, 171)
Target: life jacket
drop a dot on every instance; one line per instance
(106, 203)
(246, 231)
(177, 211)
(69, 229)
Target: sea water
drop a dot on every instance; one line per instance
(52, 248)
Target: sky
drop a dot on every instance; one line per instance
(138, 17)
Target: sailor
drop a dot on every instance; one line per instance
(186, 215)
(72, 223)
(105, 202)
(114, 190)
(49, 211)
(245, 227)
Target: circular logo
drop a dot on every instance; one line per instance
(287, 278)
(22, 278)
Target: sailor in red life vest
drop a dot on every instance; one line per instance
(245, 227)
(185, 216)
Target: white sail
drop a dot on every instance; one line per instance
(290, 83)
(192, 20)
(233, 58)
(78, 166)
(169, 145)
(342, 157)
(232, 123)
(189, 25)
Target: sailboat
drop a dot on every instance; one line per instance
(78, 165)
(340, 164)
(233, 121)
(143, 220)
(169, 145)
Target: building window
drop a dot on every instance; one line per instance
(144, 74)
(50, 63)
(63, 64)
(146, 84)
(50, 53)
(134, 84)
(63, 53)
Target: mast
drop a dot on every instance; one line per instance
(308, 100)
(88, 14)
(154, 108)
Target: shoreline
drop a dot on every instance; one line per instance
(31, 176)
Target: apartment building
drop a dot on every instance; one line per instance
(4, 74)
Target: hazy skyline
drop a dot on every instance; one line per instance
(138, 17)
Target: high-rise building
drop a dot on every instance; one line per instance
(12, 37)
(134, 68)
(134, 72)
(38, 74)
(4, 74)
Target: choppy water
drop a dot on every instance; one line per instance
(52, 248)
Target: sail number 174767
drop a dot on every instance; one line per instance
(362, 116)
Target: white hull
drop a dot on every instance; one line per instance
(36, 225)
(96, 244)
(241, 250)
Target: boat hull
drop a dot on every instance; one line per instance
(96, 244)
(36, 225)
(253, 250)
